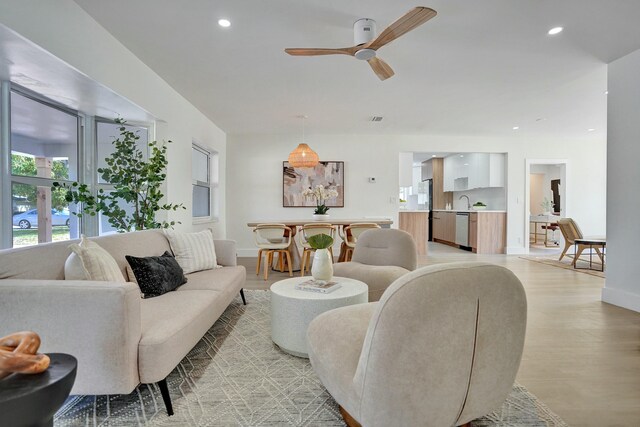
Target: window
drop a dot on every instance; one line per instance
(106, 132)
(204, 179)
(44, 149)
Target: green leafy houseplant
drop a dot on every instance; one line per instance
(320, 241)
(135, 182)
(479, 204)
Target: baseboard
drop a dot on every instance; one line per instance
(517, 250)
(621, 298)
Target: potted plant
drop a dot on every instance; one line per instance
(547, 206)
(322, 267)
(320, 194)
(479, 206)
(136, 182)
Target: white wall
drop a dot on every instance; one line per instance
(68, 32)
(255, 176)
(622, 286)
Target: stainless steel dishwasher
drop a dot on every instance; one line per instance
(462, 228)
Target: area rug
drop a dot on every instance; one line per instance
(236, 376)
(567, 263)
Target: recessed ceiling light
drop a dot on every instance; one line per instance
(606, 92)
(224, 23)
(461, 155)
(590, 130)
(466, 164)
(516, 127)
(433, 155)
(555, 30)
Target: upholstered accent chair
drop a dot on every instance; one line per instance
(381, 256)
(441, 348)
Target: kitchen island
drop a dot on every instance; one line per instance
(483, 231)
(416, 223)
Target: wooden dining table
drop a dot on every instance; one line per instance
(293, 224)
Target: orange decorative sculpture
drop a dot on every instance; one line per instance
(18, 354)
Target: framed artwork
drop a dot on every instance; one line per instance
(296, 180)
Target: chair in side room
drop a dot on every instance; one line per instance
(349, 236)
(441, 348)
(273, 239)
(381, 256)
(307, 231)
(570, 231)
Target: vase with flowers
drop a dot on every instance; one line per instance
(320, 195)
(547, 205)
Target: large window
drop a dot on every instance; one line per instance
(106, 132)
(204, 175)
(44, 149)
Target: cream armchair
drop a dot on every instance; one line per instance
(380, 257)
(441, 348)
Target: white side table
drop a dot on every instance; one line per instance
(292, 310)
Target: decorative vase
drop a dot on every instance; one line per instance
(322, 267)
(317, 217)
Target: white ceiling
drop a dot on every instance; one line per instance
(479, 67)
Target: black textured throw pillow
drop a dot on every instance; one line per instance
(157, 275)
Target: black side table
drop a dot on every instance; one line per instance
(32, 400)
(592, 243)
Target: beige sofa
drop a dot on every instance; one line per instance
(119, 339)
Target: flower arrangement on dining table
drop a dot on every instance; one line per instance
(320, 194)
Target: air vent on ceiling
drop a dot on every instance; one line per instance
(376, 118)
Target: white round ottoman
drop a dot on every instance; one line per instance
(292, 310)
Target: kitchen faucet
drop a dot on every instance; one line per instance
(468, 201)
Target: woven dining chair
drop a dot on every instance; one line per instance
(273, 239)
(350, 236)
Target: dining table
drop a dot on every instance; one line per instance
(293, 224)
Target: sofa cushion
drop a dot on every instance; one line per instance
(227, 280)
(97, 262)
(193, 251)
(156, 275)
(377, 277)
(172, 324)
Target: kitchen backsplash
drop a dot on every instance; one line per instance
(494, 198)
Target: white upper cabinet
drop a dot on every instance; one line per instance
(473, 170)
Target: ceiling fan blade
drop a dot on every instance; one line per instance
(412, 19)
(320, 51)
(381, 68)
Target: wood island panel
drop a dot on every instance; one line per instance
(491, 233)
(416, 224)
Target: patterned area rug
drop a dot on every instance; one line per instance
(567, 263)
(236, 376)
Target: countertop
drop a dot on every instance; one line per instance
(467, 210)
(414, 210)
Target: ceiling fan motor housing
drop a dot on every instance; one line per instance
(364, 30)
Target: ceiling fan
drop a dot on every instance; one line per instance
(366, 42)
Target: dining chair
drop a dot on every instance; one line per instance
(308, 230)
(273, 239)
(350, 234)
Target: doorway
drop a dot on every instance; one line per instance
(546, 201)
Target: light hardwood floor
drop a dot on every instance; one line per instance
(581, 356)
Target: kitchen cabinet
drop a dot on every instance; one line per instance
(444, 226)
(473, 170)
(417, 224)
(473, 230)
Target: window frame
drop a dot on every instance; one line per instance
(211, 184)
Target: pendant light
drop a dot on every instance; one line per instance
(303, 156)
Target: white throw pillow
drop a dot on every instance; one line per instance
(193, 251)
(97, 263)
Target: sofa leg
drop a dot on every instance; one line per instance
(348, 419)
(164, 390)
(244, 301)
